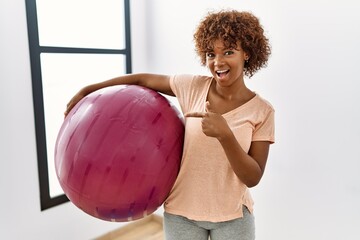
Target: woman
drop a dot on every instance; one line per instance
(228, 130)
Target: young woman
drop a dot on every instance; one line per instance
(228, 130)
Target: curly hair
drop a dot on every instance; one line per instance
(234, 28)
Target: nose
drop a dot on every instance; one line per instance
(218, 60)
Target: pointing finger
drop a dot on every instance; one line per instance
(195, 114)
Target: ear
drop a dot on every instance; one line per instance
(246, 56)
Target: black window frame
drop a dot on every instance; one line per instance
(46, 201)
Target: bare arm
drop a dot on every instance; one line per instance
(249, 167)
(160, 83)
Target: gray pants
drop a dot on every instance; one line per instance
(180, 228)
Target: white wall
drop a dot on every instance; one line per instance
(311, 188)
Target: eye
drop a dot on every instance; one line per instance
(210, 55)
(227, 53)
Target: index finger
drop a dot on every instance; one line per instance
(195, 114)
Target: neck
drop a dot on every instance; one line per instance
(236, 91)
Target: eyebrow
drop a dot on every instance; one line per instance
(222, 49)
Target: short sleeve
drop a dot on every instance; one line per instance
(173, 85)
(190, 90)
(265, 130)
(181, 85)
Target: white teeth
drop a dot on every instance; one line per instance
(221, 71)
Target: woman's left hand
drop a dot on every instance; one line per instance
(213, 124)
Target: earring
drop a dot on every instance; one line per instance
(246, 64)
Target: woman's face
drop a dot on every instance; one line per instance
(226, 65)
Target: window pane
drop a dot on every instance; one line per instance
(62, 76)
(81, 23)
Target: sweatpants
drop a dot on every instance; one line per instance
(180, 228)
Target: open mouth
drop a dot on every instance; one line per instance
(222, 73)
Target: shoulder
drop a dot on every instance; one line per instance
(189, 81)
(261, 109)
(190, 77)
(264, 104)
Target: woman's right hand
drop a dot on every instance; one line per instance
(74, 100)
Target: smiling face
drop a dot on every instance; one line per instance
(226, 64)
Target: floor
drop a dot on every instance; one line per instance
(149, 228)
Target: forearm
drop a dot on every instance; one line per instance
(153, 81)
(160, 83)
(248, 166)
(245, 167)
(126, 79)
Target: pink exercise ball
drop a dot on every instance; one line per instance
(118, 152)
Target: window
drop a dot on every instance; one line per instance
(72, 43)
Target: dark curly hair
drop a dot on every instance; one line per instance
(234, 27)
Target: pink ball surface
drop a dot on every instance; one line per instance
(118, 152)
